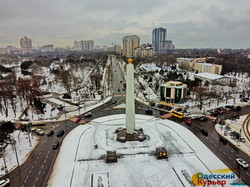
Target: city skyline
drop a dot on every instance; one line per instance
(192, 24)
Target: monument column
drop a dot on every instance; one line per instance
(130, 102)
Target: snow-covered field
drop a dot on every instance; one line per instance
(80, 164)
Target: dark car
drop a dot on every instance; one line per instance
(229, 106)
(215, 114)
(114, 101)
(203, 118)
(236, 108)
(160, 106)
(244, 100)
(55, 145)
(204, 132)
(50, 133)
(152, 104)
(60, 133)
(223, 140)
(66, 96)
(149, 112)
(178, 109)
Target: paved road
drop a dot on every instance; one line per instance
(36, 170)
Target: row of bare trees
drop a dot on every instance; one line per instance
(13, 91)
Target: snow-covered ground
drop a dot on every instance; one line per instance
(80, 164)
(23, 147)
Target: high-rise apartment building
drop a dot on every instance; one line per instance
(129, 44)
(87, 45)
(26, 45)
(159, 36)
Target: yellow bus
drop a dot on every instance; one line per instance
(178, 114)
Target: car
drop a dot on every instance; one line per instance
(188, 121)
(215, 114)
(60, 133)
(204, 132)
(66, 96)
(242, 139)
(4, 182)
(236, 108)
(223, 140)
(244, 100)
(55, 145)
(39, 132)
(160, 106)
(118, 90)
(229, 106)
(149, 112)
(216, 120)
(114, 101)
(242, 162)
(88, 114)
(152, 104)
(178, 109)
(50, 133)
(203, 118)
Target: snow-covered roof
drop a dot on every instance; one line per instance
(210, 76)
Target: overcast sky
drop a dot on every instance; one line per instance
(189, 23)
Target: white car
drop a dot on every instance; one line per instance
(242, 162)
(4, 182)
(88, 114)
(39, 132)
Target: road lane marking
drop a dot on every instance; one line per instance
(39, 173)
(248, 174)
(24, 181)
(37, 179)
(39, 153)
(224, 153)
(29, 171)
(230, 158)
(44, 161)
(231, 151)
(42, 165)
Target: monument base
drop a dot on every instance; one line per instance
(123, 136)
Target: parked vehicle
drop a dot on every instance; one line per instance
(149, 112)
(39, 132)
(244, 100)
(237, 108)
(60, 133)
(4, 182)
(242, 162)
(178, 114)
(203, 118)
(55, 145)
(50, 133)
(88, 114)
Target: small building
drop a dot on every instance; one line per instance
(173, 92)
(161, 153)
(216, 79)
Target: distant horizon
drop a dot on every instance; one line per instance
(38, 44)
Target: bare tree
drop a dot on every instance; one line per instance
(201, 94)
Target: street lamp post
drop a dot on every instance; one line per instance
(4, 161)
(13, 143)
